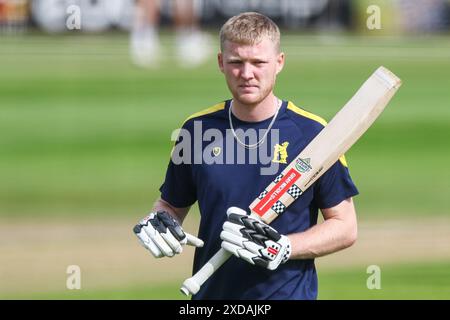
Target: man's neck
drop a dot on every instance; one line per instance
(257, 112)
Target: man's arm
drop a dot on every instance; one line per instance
(178, 213)
(258, 243)
(337, 232)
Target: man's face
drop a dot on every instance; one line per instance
(250, 70)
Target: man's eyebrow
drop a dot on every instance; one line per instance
(253, 59)
(259, 59)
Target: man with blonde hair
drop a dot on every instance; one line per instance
(271, 262)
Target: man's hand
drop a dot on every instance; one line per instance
(163, 236)
(254, 241)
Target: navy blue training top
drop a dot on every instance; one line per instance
(220, 173)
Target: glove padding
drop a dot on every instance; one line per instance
(163, 236)
(254, 241)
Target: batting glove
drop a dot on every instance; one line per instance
(163, 236)
(254, 241)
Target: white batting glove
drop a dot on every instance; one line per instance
(254, 241)
(163, 236)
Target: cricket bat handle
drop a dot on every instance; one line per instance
(192, 285)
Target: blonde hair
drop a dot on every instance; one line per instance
(249, 28)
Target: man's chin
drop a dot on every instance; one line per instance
(249, 99)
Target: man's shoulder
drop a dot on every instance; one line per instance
(305, 118)
(204, 114)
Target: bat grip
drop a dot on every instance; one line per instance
(192, 285)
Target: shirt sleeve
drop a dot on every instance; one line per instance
(334, 187)
(179, 188)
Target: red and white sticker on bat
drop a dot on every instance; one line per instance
(276, 192)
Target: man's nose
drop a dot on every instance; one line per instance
(247, 71)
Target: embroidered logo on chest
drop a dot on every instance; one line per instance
(280, 153)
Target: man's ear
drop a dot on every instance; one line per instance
(280, 62)
(220, 61)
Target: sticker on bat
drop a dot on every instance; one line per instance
(303, 165)
(276, 192)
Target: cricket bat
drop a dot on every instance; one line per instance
(347, 126)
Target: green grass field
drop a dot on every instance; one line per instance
(401, 282)
(84, 133)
